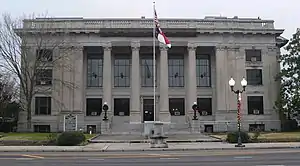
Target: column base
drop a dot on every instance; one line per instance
(135, 117)
(164, 117)
(196, 126)
(105, 127)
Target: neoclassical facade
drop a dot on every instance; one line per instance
(112, 61)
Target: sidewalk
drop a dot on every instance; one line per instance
(131, 147)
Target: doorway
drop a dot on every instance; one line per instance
(148, 109)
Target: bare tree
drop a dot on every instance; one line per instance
(7, 92)
(27, 49)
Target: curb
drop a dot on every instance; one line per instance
(148, 141)
(141, 150)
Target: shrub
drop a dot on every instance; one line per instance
(52, 138)
(232, 137)
(70, 138)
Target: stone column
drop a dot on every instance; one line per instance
(135, 111)
(107, 80)
(192, 82)
(222, 78)
(164, 114)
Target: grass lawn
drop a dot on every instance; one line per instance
(31, 136)
(279, 136)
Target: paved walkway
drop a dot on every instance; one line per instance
(135, 138)
(119, 147)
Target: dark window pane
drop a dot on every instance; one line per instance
(176, 70)
(177, 106)
(253, 55)
(203, 71)
(205, 106)
(121, 106)
(94, 66)
(93, 106)
(42, 105)
(147, 71)
(44, 55)
(42, 128)
(254, 76)
(255, 105)
(122, 71)
(44, 77)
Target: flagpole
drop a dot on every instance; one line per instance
(154, 63)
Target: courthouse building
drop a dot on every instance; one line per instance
(112, 61)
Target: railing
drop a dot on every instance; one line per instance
(148, 23)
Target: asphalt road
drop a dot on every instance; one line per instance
(288, 157)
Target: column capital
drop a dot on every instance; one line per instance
(135, 45)
(192, 46)
(163, 47)
(106, 46)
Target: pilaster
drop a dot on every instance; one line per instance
(78, 79)
(135, 111)
(107, 80)
(164, 114)
(192, 82)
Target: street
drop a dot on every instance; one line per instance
(288, 157)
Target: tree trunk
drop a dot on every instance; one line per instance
(29, 126)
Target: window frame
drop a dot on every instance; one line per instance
(258, 104)
(173, 79)
(199, 73)
(126, 73)
(177, 105)
(92, 108)
(94, 61)
(121, 105)
(250, 53)
(254, 81)
(206, 100)
(47, 106)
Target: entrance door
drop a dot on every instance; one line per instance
(148, 109)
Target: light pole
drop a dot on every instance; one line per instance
(195, 108)
(238, 95)
(105, 108)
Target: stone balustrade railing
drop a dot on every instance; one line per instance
(80, 23)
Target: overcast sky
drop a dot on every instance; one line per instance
(285, 13)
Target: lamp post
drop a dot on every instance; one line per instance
(195, 108)
(105, 108)
(238, 94)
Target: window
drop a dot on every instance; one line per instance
(253, 55)
(122, 71)
(121, 107)
(44, 55)
(91, 128)
(205, 106)
(42, 128)
(93, 106)
(94, 66)
(44, 77)
(256, 127)
(177, 106)
(176, 70)
(255, 105)
(147, 71)
(254, 76)
(203, 71)
(208, 128)
(42, 105)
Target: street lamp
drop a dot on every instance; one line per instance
(238, 94)
(105, 108)
(195, 108)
